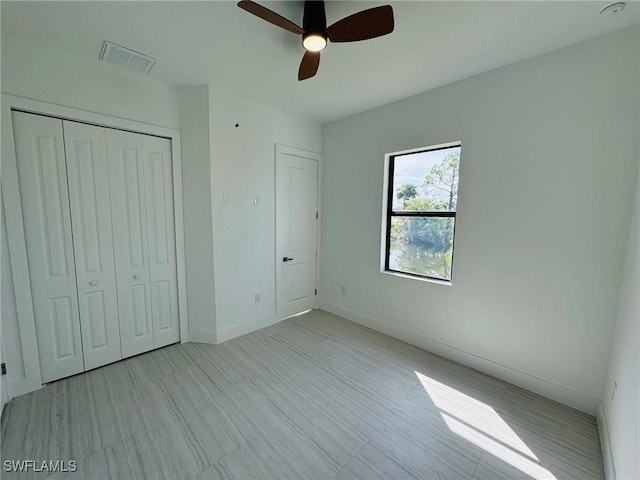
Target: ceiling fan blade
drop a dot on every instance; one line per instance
(270, 16)
(364, 25)
(309, 65)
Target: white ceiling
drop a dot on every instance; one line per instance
(434, 43)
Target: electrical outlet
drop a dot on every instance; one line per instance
(613, 393)
(343, 289)
(257, 298)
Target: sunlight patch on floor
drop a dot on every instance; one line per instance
(298, 314)
(481, 425)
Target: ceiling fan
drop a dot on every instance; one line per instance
(371, 23)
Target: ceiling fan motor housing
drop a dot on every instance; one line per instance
(314, 20)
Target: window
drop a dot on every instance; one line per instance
(420, 213)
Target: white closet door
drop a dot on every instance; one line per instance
(47, 221)
(86, 152)
(128, 206)
(161, 236)
(297, 204)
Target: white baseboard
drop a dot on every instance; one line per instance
(244, 328)
(605, 444)
(547, 388)
(22, 386)
(202, 337)
(4, 395)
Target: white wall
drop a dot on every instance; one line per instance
(9, 331)
(240, 163)
(4, 393)
(243, 165)
(622, 409)
(193, 103)
(35, 70)
(549, 160)
(224, 166)
(5, 301)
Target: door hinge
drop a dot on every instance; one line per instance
(316, 294)
(3, 368)
(316, 215)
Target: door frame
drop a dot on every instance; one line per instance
(281, 150)
(15, 228)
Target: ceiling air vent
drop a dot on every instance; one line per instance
(126, 58)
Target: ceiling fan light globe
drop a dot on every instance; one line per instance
(314, 42)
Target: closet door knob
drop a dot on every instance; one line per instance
(93, 283)
(136, 276)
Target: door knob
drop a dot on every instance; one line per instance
(136, 276)
(286, 259)
(93, 283)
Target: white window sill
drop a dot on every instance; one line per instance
(447, 283)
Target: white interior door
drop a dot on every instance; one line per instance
(161, 237)
(296, 225)
(43, 183)
(128, 206)
(86, 154)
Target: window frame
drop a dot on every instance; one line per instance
(388, 213)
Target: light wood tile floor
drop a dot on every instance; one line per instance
(314, 396)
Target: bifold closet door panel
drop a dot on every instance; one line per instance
(128, 209)
(42, 178)
(161, 237)
(86, 153)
